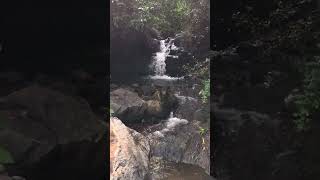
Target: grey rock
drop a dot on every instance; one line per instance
(129, 153)
(49, 118)
(127, 105)
(184, 144)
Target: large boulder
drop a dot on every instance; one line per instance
(130, 107)
(20, 134)
(162, 169)
(154, 108)
(129, 152)
(187, 107)
(40, 124)
(130, 53)
(176, 61)
(68, 118)
(181, 141)
(162, 103)
(127, 105)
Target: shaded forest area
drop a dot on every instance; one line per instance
(136, 25)
(266, 88)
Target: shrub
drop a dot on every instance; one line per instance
(205, 92)
(308, 102)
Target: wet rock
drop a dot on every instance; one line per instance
(175, 63)
(130, 107)
(165, 170)
(129, 153)
(148, 90)
(202, 115)
(187, 107)
(154, 108)
(127, 105)
(168, 100)
(183, 143)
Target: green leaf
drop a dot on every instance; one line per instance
(5, 156)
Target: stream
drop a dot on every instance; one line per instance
(168, 114)
(184, 91)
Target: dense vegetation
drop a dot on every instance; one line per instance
(283, 35)
(187, 19)
(168, 17)
(267, 62)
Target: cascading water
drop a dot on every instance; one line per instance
(170, 124)
(159, 60)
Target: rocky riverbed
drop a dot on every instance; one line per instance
(163, 132)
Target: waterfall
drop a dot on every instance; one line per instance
(159, 59)
(171, 114)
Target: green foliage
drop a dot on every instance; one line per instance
(205, 92)
(5, 156)
(202, 131)
(308, 102)
(167, 16)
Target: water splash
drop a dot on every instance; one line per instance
(171, 114)
(159, 60)
(165, 77)
(170, 125)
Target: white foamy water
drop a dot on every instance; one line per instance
(159, 60)
(183, 99)
(173, 122)
(170, 125)
(165, 77)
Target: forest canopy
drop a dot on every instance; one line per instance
(166, 16)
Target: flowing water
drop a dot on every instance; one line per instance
(161, 169)
(159, 60)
